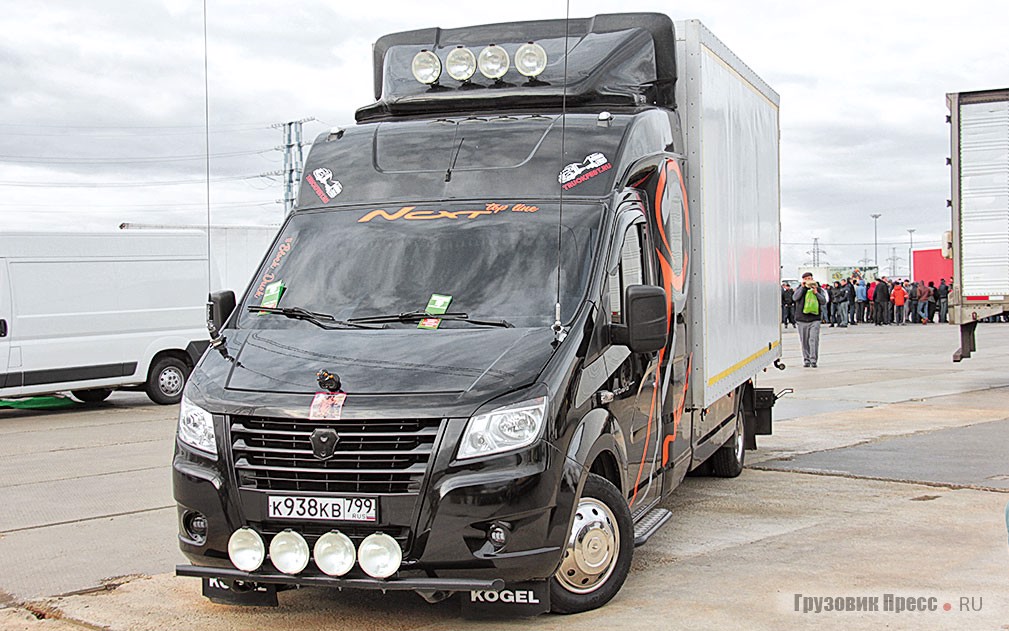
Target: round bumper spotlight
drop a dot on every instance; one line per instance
(334, 553)
(246, 549)
(460, 63)
(289, 552)
(426, 67)
(379, 555)
(493, 62)
(530, 60)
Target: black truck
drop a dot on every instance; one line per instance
(516, 303)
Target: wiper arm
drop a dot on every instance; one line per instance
(321, 320)
(416, 316)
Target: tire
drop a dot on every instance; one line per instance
(92, 396)
(601, 517)
(727, 462)
(167, 379)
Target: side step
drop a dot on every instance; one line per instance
(650, 524)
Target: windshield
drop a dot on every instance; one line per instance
(493, 260)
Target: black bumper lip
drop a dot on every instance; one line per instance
(403, 584)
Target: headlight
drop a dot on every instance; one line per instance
(196, 427)
(504, 429)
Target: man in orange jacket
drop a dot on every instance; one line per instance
(898, 295)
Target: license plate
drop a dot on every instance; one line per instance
(322, 508)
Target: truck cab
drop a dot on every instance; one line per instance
(465, 364)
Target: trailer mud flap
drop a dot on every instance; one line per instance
(231, 592)
(515, 600)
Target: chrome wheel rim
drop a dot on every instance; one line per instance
(592, 550)
(740, 438)
(171, 381)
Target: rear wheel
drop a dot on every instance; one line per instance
(727, 462)
(599, 550)
(166, 380)
(92, 396)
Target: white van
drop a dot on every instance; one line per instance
(93, 312)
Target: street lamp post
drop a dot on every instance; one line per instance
(875, 236)
(910, 253)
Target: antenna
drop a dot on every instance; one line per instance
(206, 130)
(558, 327)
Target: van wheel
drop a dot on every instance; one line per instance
(727, 462)
(599, 550)
(92, 396)
(167, 379)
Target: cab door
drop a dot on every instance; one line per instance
(633, 384)
(9, 382)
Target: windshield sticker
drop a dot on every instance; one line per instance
(575, 173)
(269, 276)
(437, 305)
(412, 213)
(327, 406)
(271, 297)
(323, 178)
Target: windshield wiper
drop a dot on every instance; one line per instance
(321, 320)
(417, 316)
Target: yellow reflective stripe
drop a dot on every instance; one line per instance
(733, 368)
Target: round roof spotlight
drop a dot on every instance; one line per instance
(460, 63)
(530, 60)
(289, 552)
(246, 549)
(426, 67)
(493, 62)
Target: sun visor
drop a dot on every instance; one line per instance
(611, 60)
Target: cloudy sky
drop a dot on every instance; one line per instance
(102, 103)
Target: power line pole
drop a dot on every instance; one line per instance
(293, 160)
(816, 252)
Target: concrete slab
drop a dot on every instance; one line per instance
(976, 456)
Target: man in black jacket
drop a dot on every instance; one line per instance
(787, 305)
(882, 299)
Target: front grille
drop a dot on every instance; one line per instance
(373, 456)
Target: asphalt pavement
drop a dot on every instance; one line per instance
(888, 473)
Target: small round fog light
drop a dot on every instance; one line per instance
(246, 549)
(334, 553)
(530, 60)
(497, 535)
(460, 63)
(289, 552)
(379, 555)
(195, 525)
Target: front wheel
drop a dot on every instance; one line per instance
(166, 380)
(599, 550)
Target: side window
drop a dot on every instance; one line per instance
(630, 271)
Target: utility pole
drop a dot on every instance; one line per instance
(893, 261)
(910, 253)
(293, 160)
(875, 236)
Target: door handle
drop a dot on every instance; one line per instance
(3, 328)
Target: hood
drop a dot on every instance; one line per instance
(392, 361)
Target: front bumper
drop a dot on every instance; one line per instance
(392, 584)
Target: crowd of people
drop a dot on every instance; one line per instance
(853, 301)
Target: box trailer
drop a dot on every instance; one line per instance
(979, 202)
(509, 315)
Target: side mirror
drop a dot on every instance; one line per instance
(646, 330)
(220, 305)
